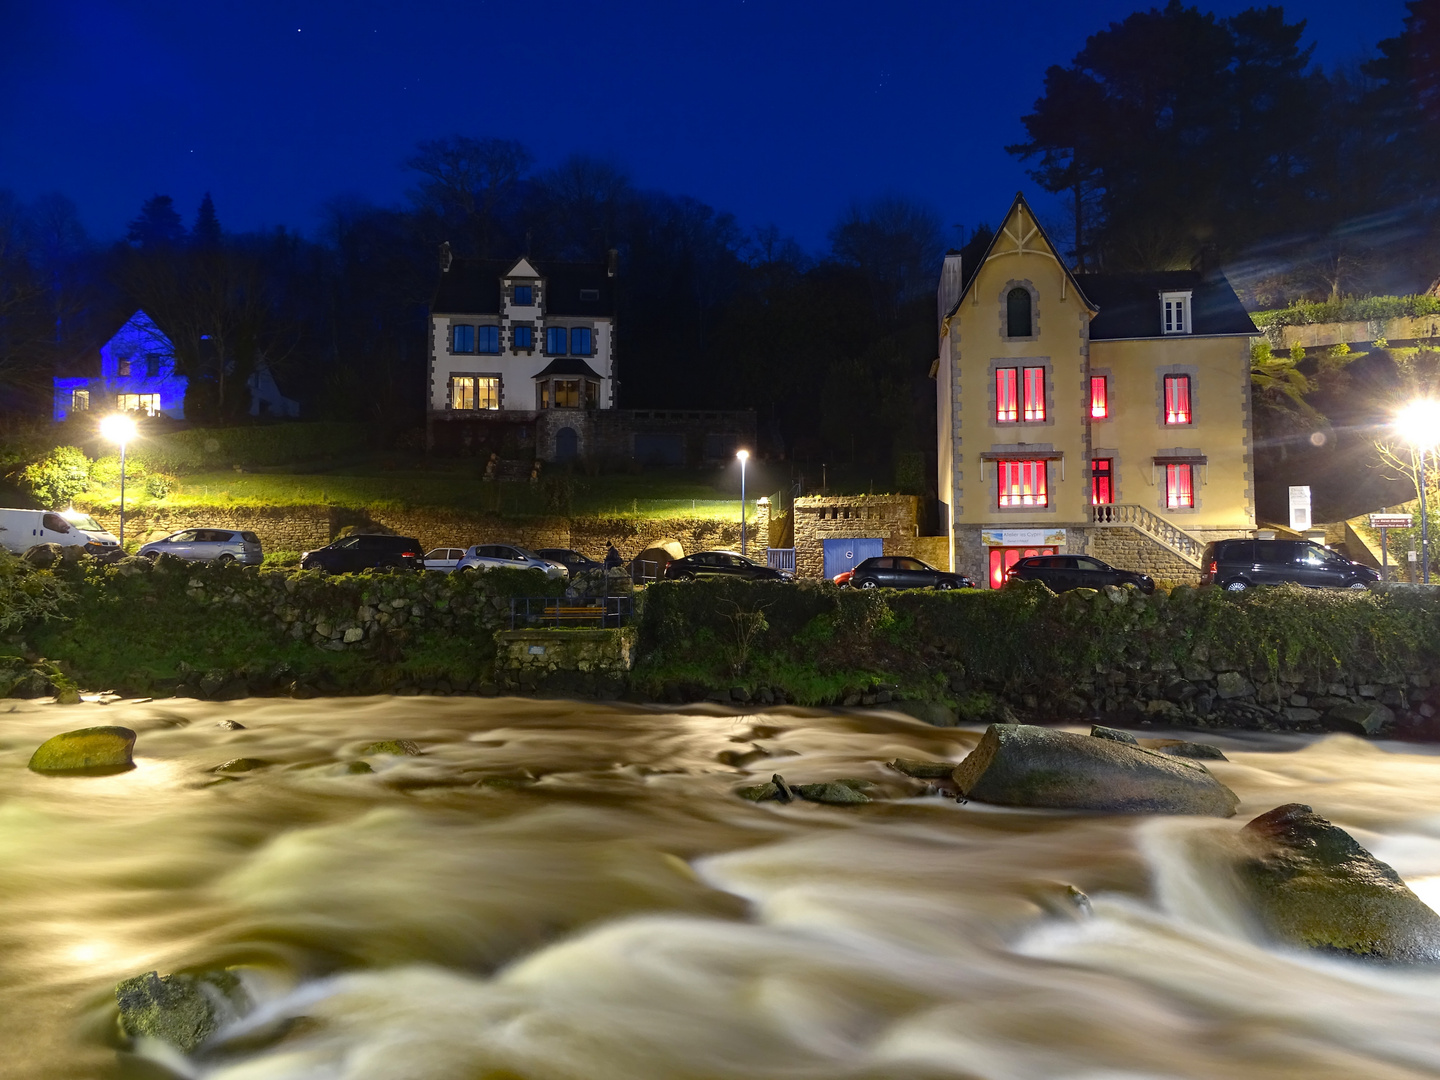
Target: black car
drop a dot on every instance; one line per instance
(903, 572)
(365, 551)
(1061, 572)
(1237, 565)
(572, 560)
(722, 564)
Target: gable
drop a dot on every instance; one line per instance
(523, 268)
(1019, 239)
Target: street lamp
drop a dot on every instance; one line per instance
(744, 456)
(1419, 425)
(119, 428)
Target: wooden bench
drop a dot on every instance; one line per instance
(588, 612)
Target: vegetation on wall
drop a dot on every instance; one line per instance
(1350, 309)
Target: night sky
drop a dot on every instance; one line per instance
(778, 112)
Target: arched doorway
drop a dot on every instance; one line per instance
(567, 444)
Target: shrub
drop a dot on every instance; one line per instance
(1350, 309)
(281, 558)
(1338, 351)
(1260, 352)
(105, 471)
(1381, 343)
(158, 485)
(28, 595)
(58, 477)
(1297, 352)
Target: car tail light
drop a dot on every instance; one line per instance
(409, 554)
(1214, 568)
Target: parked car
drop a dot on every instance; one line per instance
(843, 578)
(903, 572)
(443, 559)
(573, 561)
(20, 530)
(511, 556)
(209, 545)
(1061, 572)
(365, 551)
(1237, 565)
(723, 564)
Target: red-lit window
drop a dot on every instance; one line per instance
(1177, 399)
(1022, 483)
(1034, 393)
(1007, 408)
(1102, 481)
(1179, 487)
(1099, 397)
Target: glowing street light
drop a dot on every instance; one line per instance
(744, 456)
(1419, 425)
(119, 428)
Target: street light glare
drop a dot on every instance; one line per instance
(743, 455)
(118, 428)
(1419, 423)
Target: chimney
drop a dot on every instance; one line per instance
(949, 291)
(446, 258)
(612, 260)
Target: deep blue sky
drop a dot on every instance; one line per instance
(777, 111)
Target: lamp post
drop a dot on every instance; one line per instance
(120, 429)
(1419, 425)
(744, 456)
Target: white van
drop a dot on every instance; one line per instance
(20, 530)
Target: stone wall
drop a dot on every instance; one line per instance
(1130, 549)
(893, 519)
(291, 528)
(580, 660)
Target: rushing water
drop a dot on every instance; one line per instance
(623, 915)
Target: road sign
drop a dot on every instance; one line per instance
(1390, 521)
(1299, 509)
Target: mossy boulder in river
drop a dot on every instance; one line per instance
(95, 750)
(1022, 765)
(397, 747)
(1313, 886)
(182, 1010)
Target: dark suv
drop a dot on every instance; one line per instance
(365, 551)
(1237, 565)
(729, 564)
(902, 572)
(1061, 572)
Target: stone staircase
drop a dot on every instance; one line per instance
(1151, 525)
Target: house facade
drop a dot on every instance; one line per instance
(1100, 414)
(134, 371)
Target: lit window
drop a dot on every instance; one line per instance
(462, 339)
(592, 394)
(1006, 396)
(567, 394)
(1177, 399)
(122, 367)
(149, 404)
(474, 392)
(1102, 482)
(1099, 397)
(487, 339)
(1034, 393)
(1179, 487)
(556, 340)
(80, 401)
(580, 338)
(1176, 311)
(522, 337)
(1022, 483)
(1018, 320)
(524, 296)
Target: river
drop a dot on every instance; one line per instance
(567, 891)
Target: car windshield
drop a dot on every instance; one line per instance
(83, 521)
(525, 553)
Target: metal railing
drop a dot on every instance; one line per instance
(603, 611)
(644, 572)
(780, 559)
(1152, 525)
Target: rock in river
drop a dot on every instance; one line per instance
(397, 747)
(1022, 765)
(1313, 886)
(182, 1010)
(87, 750)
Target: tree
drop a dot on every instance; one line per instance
(468, 179)
(206, 232)
(158, 227)
(897, 244)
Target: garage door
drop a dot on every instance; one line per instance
(842, 555)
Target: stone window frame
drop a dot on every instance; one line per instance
(1199, 476)
(1020, 362)
(512, 327)
(456, 324)
(450, 389)
(1193, 371)
(1109, 377)
(1020, 452)
(1028, 286)
(1112, 456)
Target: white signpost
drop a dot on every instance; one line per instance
(1299, 509)
(1385, 522)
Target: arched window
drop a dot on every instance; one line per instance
(1017, 313)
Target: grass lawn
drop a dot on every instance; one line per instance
(657, 494)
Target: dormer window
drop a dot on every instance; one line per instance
(524, 296)
(1175, 312)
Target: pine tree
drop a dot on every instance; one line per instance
(206, 231)
(158, 225)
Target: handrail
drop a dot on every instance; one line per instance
(1152, 525)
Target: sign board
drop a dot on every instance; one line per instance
(1299, 509)
(1022, 537)
(1390, 521)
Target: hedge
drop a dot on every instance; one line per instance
(1350, 309)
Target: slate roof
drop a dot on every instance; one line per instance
(1129, 304)
(472, 287)
(568, 365)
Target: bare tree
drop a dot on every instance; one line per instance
(471, 176)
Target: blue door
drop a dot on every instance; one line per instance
(842, 555)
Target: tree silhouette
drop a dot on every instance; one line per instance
(158, 227)
(206, 231)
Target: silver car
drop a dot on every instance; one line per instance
(490, 556)
(443, 559)
(209, 545)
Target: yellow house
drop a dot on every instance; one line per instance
(1097, 414)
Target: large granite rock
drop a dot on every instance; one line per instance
(1021, 765)
(1313, 886)
(87, 750)
(182, 1010)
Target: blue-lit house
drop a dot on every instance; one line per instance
(134, 371)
